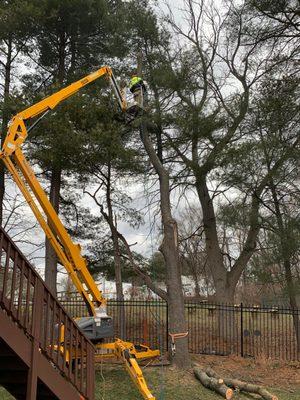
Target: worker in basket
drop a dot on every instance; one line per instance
(138, 89)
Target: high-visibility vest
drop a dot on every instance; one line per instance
(134, 80)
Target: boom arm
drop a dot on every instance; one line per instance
(68, 252)
(17, 132)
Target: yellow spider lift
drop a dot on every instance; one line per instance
(99, 325)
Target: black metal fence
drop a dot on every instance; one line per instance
(220, 329)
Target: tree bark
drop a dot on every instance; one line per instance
(51, 257)
(5, 119)
(169, 249)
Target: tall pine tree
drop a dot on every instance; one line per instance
(75, 37)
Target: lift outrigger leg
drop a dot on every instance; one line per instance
(129, 353)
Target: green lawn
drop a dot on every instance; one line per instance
(4, 395)
(166, 384)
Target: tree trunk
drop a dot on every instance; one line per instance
(197, 286)
(213, 251)
(117, 254)
(5, 119)
(169, 246)
(225, 281)
(227, 326)
(193, 267)
(242, 386)
(119, 282)
(225, 291)
(169, 249)
(115, 236)
(213, 383)
(133, 288)
(284, 242)
(177, 324)
(112, 221)
(117, 263)
(51, 257)
(293, 302)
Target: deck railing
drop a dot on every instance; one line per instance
(29, 302)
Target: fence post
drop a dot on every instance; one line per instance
(38, 304)
(167, 325)
(242, 331)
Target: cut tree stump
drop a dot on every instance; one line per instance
(242, 386)
(212, 383)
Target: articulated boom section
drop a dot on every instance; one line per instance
(17, 131)
(99, 325)
(67, 251)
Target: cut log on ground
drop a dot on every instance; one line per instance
(242, 386)
(214, 384)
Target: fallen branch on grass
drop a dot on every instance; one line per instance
(212, 383)
(242, 386)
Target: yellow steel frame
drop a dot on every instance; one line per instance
(127, 352)
(69, 253)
